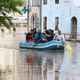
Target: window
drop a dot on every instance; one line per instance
(57, 23)
(38, 2)
(35, 2)
(56, 1)
(37, 19)
(45, 23)
(45, 1)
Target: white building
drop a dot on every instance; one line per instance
(63, 15)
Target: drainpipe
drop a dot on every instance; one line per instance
(40, 14)
(28, 15)
(70, 5)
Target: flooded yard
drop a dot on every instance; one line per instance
(18, 64)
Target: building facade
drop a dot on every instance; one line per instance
(34, 14)
(61, 15)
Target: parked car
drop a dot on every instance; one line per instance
(15, 18)
(21, 17)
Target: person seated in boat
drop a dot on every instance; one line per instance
(59, 36)
(49, 35)
(34, 32)
(38, 37)
(29, 36)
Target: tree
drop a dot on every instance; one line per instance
(14, 29)
(6, 7)
(2, 30)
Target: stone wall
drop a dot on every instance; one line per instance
(33, 11)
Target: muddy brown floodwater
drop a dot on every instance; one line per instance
(17, 64)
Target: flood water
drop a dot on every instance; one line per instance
(17, 64)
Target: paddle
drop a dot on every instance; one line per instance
(34, 45)
(68, 47)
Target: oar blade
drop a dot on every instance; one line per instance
(68, 47)
(30, 49)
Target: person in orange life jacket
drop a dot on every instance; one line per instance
(29, 36)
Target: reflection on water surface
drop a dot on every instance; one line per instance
(38, 65)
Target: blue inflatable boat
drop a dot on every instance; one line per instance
(52, 45)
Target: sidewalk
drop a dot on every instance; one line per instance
(75, 40)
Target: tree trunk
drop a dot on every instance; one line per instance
(2, 34)
(14, 34)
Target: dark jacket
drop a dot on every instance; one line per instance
(50, 38)
(34, 34)
(29, 37)
(36, 38)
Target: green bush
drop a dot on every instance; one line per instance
(14, 29)
(2, 30)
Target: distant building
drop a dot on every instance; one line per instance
(63, 15)
(34, 14)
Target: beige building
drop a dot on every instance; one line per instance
(34, 14)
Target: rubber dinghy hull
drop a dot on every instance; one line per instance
(52, 45)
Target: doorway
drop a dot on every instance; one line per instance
(34, 21)
(74, 27)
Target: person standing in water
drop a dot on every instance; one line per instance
(59, 36)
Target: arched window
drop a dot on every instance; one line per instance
(74, 27)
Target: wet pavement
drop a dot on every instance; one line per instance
(18, 64)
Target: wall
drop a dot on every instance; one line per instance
(65, 10)
(32, 13)
(77, 3)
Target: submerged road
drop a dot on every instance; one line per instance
(18, 64)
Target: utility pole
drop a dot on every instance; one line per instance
(40, 14)
(28, 15)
